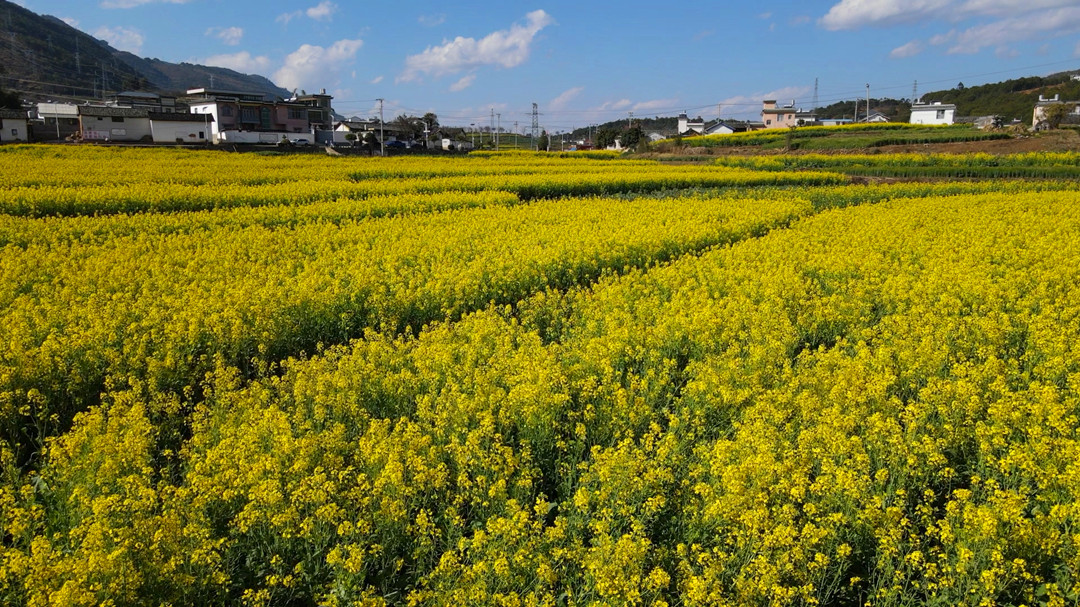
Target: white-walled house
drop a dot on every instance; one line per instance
(13, 126)
(179, 127)
(701, 127)
(686, 125)
(932, 113)
(99, 123)
(1038, 117)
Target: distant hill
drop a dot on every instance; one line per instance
(1012, 98)
(659, 124)
(41, 56)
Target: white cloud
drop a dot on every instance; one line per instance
(505, 48)
(229, 35)
(854, 14)
(565, 97)
(765, 16)
(943, 38)
(122, 38)
(1032, 26)
(243, 62)
(70, 21)
(1004, 52)
(463, 84)
(376, 80)
(432, 20)
(621, 104)
(134, 3)
(801, 20)
(314, 67)
(999, 22)
(655, 104)
(908, 50)
(321, 11)
(285, 18)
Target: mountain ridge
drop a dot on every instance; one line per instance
(44, 57)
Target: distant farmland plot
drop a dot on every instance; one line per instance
(851, 137)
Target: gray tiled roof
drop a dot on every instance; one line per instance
(126, 112)
(179, 117)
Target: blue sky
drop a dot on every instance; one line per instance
(589, 62)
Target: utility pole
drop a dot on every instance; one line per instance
(814, 108)
(536, 128)
(914, 92)
(498, 127)
(382, 144)
(868, 102)
(629, 120)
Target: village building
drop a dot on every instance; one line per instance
(775, 117)
(180, 127)
(240, 117)
(697, 126)
(361, 128)
(1039, 117)
(13, 126)
(56, 121)
(320, 114)
(146, 101)
(932, 113)
(104, 123)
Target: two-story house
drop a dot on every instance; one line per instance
(236, 112)
(932, 113)
(775, 117)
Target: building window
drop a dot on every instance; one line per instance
(227, 111)
(296, 114)
(202, 134)
(117, 118)
(249, 114)
(941, 114)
